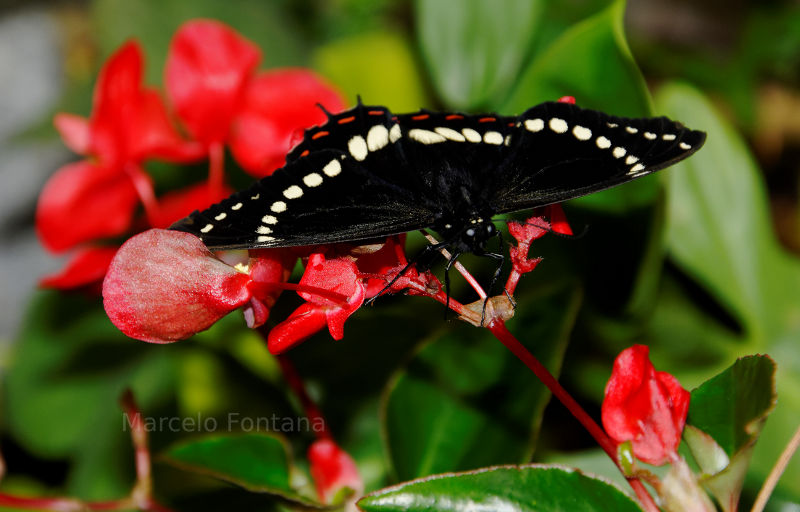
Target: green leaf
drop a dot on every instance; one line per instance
(69, 368)
(255, 461)
(379, 66)
(720, 234)
(465, 402)
(531, 488)
(474, 48)
(732, 406)
(592, 62)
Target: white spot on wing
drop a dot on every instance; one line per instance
(668, 136)
(631, 160)
(278, 207)
(395, 133)
(293, 192)
(612, 125)
(425, 136)
(377, 137)
(332, 168)
(582, 133)
(255, 197)
(602, 142)
(683, 145)
(471, 135)
(312, 180)
(558, 125)
(449, 133)
(265, 239)
(207, 228)
(631, 129)
(493, 138)
(269, 219)
(263, 230)
(636, 168)
(358, 147)
(221, 216)
(534, 125)
(236, 206)
(618, 152)
(649, 135)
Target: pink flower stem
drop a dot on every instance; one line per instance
(140, 497)
(144, 189)
(296, 384)
(498, 328)
(216, 169)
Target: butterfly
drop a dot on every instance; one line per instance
(367, 173)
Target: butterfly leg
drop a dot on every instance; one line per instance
(426, 252)
(453, 257)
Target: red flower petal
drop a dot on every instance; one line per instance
(386, 262)
(86, 267)
(267, 267)
(332, 470)
(275, 105)
(177, 204)
(163, 286)
(207, 67)
(152, 135)
(644, 407)
(306, 320)
(83, 202)
(74, 131)
(130, 122)
(558, 220)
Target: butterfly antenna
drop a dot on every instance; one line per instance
(325, 110)
(359, 102)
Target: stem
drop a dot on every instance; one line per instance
(297, 386)
(216, 170)
(140, 497)
(774, 475)
(461, 270)
(498, 328)
(144, 189)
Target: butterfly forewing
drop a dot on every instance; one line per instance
(560, 151)
(367, 173)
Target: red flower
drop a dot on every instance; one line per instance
(346, 292)
(645, 407)
(211, 81)
(333, 470)
(96, 198)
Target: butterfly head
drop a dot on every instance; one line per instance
(470, 236)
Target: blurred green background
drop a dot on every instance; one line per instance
(699, 261)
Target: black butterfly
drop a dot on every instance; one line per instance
(369, 174)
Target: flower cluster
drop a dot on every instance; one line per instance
(219, 99)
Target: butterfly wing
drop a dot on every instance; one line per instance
(346, 181)
(560, 151)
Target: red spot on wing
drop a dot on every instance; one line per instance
(454, 116)
(304, 153)
(487, 120)
(320, 134)
(345, 120)
(420, 117)
(375, 112)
